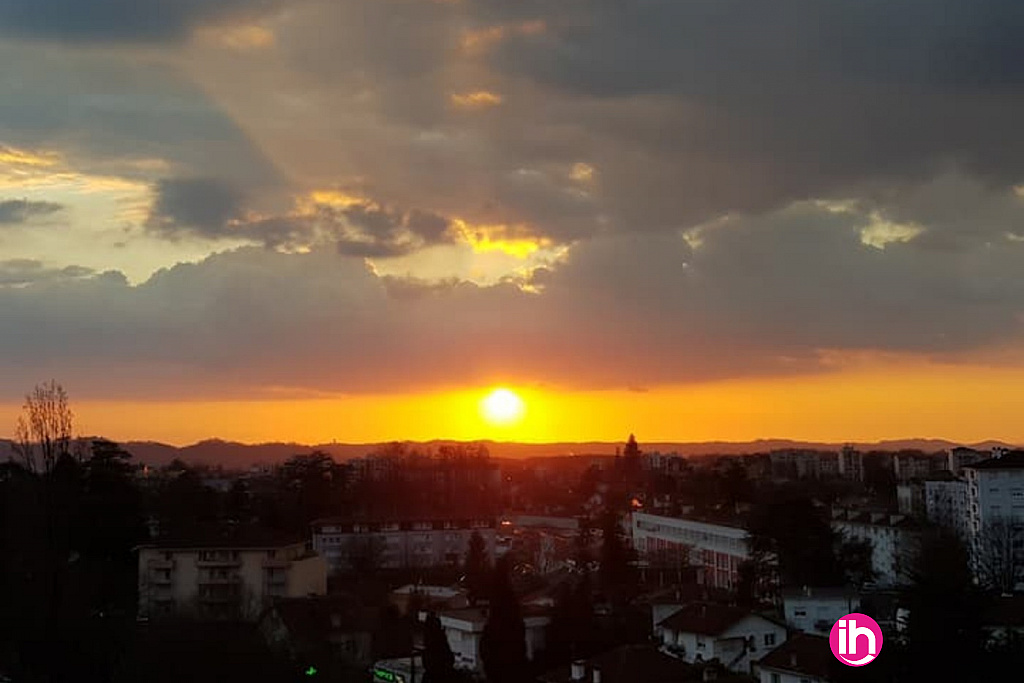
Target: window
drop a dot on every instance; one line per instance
(800, 613)
(769, 640)
(776, 678)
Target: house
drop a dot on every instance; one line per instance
(464, 628)
(626, 664)
(321, 631)
(803, 658)
(816, 610)
(705, 631)
(430, 598)
(235, 574)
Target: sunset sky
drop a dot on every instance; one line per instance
(351, 220)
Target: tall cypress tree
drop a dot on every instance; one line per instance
(503, 642)
(438, 660)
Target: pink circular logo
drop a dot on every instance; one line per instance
(856, 639)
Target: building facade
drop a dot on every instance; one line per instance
(995, 512)
(347, 544)
(894, 541)
(946, 504)
(225, 581)
(851, 464)
(716, 550)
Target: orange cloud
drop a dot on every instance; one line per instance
(241, 38)
(21, 157)
(479, 99)
(478, 41)
(517, 240)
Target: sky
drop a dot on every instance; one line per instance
(350, 220)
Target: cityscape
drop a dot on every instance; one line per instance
(511, 341)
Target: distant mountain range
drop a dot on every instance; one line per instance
(232, 454)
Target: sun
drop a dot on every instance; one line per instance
(502, 407)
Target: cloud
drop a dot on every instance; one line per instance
(115, 20)
(21, 272)
(23, 210)
(198, 206)
(775, 295)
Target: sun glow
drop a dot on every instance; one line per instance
(502, 407)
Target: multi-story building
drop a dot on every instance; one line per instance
(851, 464)
(716, 550)
(894, 540)
(910, 498)
(959, 457)
(803, 464)
(225, 578)
(395, 544)
(945, 502)
(995, 497)
(910, 466)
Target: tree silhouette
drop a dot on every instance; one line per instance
(617, 572)
(45, 425)
(503, 642)
(476, 567)
(438, 660)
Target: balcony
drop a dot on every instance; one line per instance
(219, 580)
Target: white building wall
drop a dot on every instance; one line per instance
(717, 549)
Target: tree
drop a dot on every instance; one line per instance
(944, 611)
(46, 424)
(792, 532)
(998, 557)
(572, 633)
(616, 570)
(438, 660)
(503, 641)
(476, 567)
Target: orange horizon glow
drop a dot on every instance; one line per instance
(963, 404)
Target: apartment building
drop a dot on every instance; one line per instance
(716, 550)
(894, 540)
(223, 578)
(394, 544)
(995, 495)
(946, 506)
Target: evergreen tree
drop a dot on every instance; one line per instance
(438, 660)
(503, 642)
(616, 571)
(476, 567)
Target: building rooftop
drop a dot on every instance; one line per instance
(629, 663)
(239, 538)
(802, 654)
(1014, 460)
(706, 618)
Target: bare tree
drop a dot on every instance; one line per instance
(45, 426)
(997, 556)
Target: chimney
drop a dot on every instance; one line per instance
(792, 659)
(579, 670)
(596, 676)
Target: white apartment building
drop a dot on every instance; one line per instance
(995, 491)
(225, 580)
(946, 504)
(399, 543)
(894, 540)
(716, 550)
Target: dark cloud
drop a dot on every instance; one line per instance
(23, 210)
(201, 207)
(771, 295)
(119, 20)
